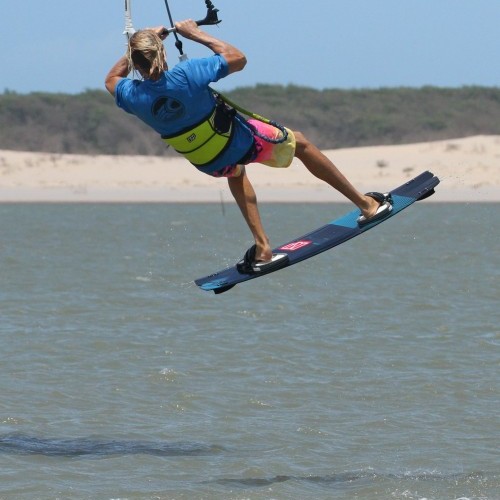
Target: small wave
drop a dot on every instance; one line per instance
(260, 482)
(98, 448)
(144, 279)
(346, 477)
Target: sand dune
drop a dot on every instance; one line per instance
(469, 170)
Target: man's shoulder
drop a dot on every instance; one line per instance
(214, 63)
(126, 85)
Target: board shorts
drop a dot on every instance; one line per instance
(273, 155)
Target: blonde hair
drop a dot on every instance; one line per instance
(146, 54)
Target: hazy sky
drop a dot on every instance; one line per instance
(68, 46)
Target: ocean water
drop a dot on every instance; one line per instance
(369, 372)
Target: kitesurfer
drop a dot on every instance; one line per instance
(179, 104)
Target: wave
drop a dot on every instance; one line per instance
(96, 447)
(349, 477)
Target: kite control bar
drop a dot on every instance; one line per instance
(210, 19)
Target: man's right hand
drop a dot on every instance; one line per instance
(188, 29)
(235, 59)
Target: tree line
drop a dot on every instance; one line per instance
(90, 122)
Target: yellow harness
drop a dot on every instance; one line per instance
(206, 141)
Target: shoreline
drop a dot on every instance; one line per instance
(284, 196)
(469, 170)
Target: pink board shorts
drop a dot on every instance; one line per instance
(273, 155)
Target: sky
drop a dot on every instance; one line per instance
(68, 46)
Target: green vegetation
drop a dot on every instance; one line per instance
(90, 122)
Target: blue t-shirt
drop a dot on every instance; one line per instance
(181, 98)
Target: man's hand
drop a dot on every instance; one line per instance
(161, 31)
(188, 29)
(235, 59)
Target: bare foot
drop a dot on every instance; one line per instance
(263, 252)
(370, 207)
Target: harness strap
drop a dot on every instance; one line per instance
(255, 116)
(204, 142)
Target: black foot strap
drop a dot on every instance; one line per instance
(248, 265)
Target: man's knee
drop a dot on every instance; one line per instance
(301, 143)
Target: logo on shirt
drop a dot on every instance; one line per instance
(167, 108)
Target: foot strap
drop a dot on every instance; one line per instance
(384, 209)
(248, 265)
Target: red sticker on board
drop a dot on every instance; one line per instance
(296, 245)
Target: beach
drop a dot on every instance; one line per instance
(469, 169)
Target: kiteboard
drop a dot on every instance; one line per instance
(332, 234)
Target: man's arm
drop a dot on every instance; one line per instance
(116, 73)
(235, 59)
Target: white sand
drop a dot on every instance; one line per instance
(469, 170)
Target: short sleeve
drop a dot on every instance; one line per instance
(122, 91)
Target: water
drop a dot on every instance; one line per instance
(370, 371)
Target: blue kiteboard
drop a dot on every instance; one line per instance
(326, 237)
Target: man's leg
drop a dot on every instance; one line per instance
(321, 167)
(244, 194)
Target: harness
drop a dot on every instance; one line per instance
(205, 141)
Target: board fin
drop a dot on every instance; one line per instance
(426, 194)
(223, 289)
